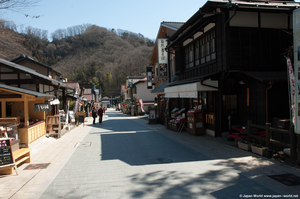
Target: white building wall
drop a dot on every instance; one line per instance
(144, 93)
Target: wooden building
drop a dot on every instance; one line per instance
(166, 30)
(229, 58)
(23, 92)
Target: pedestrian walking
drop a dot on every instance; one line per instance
(104, 110)
(100, 113)
(94, 114)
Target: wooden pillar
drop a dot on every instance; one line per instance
(3, 108)
(268, 134)
(64, 98)
(298, 155)
(293, 142)
(26, 112)
(249, 130)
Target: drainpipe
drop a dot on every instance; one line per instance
(267, 111)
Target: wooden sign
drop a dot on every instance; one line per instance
(6, 155)
(72, 117)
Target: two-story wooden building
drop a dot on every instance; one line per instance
(229, 59)
(160, 77)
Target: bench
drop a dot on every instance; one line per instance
(20, 156)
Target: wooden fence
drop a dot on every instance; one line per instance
(294, 139)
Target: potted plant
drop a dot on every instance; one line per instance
(243, 144)
(258, 149)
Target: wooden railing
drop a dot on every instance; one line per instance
(269, 141)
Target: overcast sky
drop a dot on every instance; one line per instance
(136, 16)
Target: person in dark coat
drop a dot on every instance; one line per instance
(100, 113)
(94, 114)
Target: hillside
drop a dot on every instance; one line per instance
(94, 55)
(11, 44)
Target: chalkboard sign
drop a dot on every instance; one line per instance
(6, 156)
(81, 119)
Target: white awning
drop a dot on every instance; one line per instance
(189, 90)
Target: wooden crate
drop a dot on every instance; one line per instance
(258, 150)
(244, 146)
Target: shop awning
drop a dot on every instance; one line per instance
(160, 89)
(187, 90)
(267, 76)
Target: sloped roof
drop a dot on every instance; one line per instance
(172, 25)
(267, 76)
(25, 91)
(73, 84)
(32, 72)
(26, 57)
(211, 5)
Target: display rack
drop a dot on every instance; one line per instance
(53, 126)
(9, 129)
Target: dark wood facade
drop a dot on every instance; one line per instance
(247, 59)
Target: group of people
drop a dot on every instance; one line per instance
(99, 113)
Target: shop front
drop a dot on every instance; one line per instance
(28, 109)
(185, 99)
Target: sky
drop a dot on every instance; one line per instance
(138, 16)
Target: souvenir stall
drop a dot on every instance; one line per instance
(22, 121)
(27, 110)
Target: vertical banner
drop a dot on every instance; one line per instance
(162, 57)
(142, 105)
(296, 32)
(149, 77)
(292, 86)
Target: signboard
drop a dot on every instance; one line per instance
(152, 114)
(72, 117)
(162, 57)
(6, 157)
(81, 119)
(62, 115)
(42, 107)
(149, 77)
(296, 29)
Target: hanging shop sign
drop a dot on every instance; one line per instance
(42, 107)
(149, 77)
(162, 57)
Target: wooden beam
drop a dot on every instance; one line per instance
(3, 108)
(26, 113)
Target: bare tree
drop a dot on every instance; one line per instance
(18, 5)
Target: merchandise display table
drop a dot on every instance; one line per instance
(242, 133)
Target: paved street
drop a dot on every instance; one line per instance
(125, 157)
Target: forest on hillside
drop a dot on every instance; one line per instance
(85, 53)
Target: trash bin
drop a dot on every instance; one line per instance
(195, 123)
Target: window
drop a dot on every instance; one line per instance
(212, 46)
(189, 56)
(206, 50)
(202, 53)
(197, 53)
